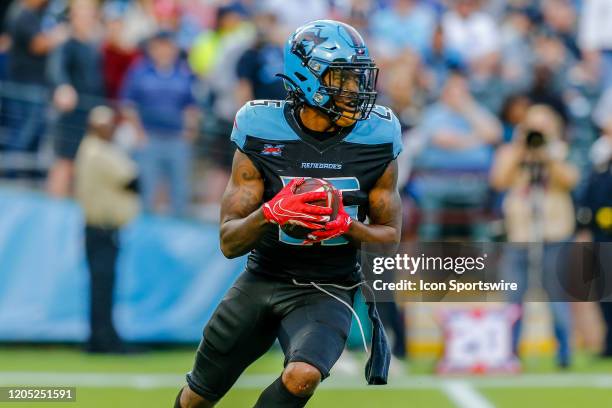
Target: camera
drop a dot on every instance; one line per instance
(535, 139)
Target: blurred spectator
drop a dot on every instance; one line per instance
(188, 23)
(105, 184)
(196, 16)
(560, 21)
(538, 210)
(475, 35)
(4, 38)
(553, 54)
(595, 37)
(4, 10)
(439, 61)
(26, 92)
(407, 24)
(214, 57)
(471, 32)
(356, 13)
(459, 138)
(517, 54)
(76, 73)
(117, 52)
(209, 47)
(258, 65)
(296, 13)
(167, 15)
(157, 98)
(139, 22)
(537, 143)
(403, 89)
(546, 90)
(595, 203)
(457, 124)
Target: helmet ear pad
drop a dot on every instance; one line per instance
(311, 84)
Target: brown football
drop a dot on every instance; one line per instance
(314, 184)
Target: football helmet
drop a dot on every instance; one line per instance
(328, 66)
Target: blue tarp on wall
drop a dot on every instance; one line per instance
(171, 274)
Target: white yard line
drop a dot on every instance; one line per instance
(464, 395)
(95, 380)
(258, 381)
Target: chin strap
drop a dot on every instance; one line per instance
(293, 88)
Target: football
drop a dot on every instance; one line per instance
(314, 184)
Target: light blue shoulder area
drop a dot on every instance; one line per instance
(381, 127)
(262, 119)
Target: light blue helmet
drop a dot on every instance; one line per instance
(331, 46)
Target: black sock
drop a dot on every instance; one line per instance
(177, 402)
(278, 396)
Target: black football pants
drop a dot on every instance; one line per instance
(311, 326)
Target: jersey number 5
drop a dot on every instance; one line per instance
(340, 183)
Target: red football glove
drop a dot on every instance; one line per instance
(290, 208)
(334, 228)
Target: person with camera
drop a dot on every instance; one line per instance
(537, 179)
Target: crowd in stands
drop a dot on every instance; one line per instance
(462, 76)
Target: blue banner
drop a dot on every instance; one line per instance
(171, 274)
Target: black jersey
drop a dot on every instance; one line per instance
(352, 160)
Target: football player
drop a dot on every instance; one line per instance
(300, 291)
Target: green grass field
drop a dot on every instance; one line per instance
(152, 380)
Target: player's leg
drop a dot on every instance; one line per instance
(292, 389)
(313, 334)
(239, 332)
(188, 398)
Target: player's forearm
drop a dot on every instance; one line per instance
(382, 234)
(239, 236)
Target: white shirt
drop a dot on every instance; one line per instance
(296, 13)
(473, 37)
(595, 31)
